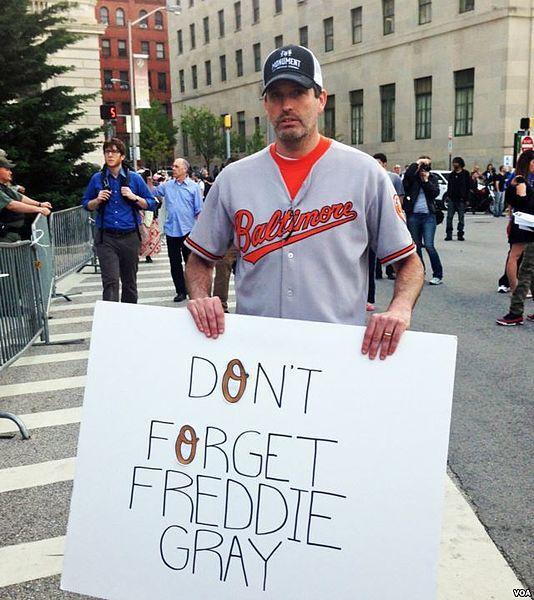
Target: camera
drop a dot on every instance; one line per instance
(424, 167)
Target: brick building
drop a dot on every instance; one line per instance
(148, 37)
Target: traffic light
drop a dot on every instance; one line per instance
(108, 112)
(525, 123)
(227, 121)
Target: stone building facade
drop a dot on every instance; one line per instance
(84, 57)
(401, 74)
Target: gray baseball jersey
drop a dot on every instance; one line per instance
(305, 258)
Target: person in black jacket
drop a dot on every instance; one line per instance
(422, 189)
(458, 193)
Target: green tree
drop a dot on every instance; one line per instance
(35, 114)
(256, 141)
(203, 129)
(158, 136)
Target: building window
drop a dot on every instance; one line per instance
(180, 42)
(278, 41)
(207, 65)
(108, 75)
(150, 82)
(387, 109)
(256, 50)
(256, 123)
(467, 5)
(145, 48)
(328, 25)
(241, 131)
(160, 50)
(330, 117)
(356, 24)
(239, 62)
(237, 15)
(464, 84)
(126, 108)
(119, 17)
(388, 12)
(277, 7)
(104, 15)
(423, 108)
(425, 11)
(303, 36)
(192, 36)
(222, 65)
(158, 20)
(181, 79)
(144, 23)
(106, 48)
(194, 77)
(162, 82)
(124, 78)
(206, 25)
(221, 22)
(255, 11)
(121, 48)
(356, 117)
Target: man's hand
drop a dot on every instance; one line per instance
(208, 315)
(103, 196)
(44, 210)
(127, 193)
(46, 205)
(384, 332)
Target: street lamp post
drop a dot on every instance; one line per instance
(170, 8)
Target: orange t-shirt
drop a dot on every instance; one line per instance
(295, 171)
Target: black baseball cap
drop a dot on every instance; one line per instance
(295, 63)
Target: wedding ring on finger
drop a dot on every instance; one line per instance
(387, 334)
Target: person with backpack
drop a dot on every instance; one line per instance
(118, 195)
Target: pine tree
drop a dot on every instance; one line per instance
(34, 120)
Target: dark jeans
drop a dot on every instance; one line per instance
(177, 251)
(453, 207)
(423, 228)
(118, 256)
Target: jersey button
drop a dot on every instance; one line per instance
(289, 293)
(290, 255)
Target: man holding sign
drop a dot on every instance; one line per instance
(304, 213)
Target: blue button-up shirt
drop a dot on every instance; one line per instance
(118, 213)
(183, 203)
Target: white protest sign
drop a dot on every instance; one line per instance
(275, 462)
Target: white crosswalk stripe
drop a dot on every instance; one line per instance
(52, 418)
(52, 471)
(33, 560)
(48, 385)
(41, 359)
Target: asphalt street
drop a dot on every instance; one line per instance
(491, 452)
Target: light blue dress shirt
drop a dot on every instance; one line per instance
(183, 203)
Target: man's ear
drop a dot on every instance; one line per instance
(322, 100)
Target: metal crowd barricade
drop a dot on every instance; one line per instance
(72, 239)
(21, 307)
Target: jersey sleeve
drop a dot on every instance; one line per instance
(213, 230)
(386, 223)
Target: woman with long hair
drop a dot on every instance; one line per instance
(150, 233)
(520, 196)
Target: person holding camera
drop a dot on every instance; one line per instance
(118, 195)
(422, 189)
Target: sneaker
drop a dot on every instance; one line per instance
(461, 238)
(435, 281)
(503, 289)
(529, 294)
(448, 239)
(530, 317)
(510, 320)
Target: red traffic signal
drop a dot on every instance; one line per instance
(108, 112)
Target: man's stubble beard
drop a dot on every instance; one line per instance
(293, 137)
